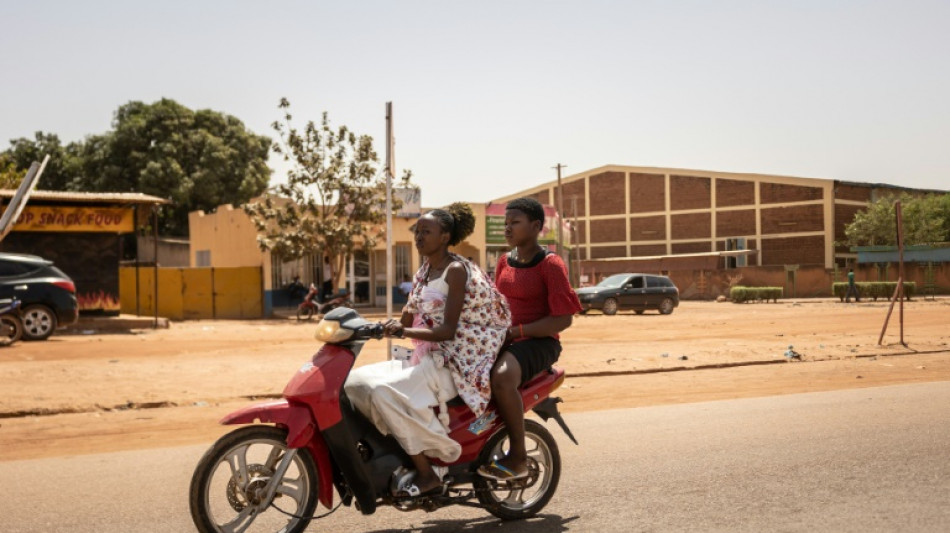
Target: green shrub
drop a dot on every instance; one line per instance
(874, 289)
(741, 294)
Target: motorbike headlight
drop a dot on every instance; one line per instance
(329, 331)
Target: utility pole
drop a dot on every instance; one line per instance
(560, 212)
(390, 165)
(575, 249)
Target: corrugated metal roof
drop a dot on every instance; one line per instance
(90, 197)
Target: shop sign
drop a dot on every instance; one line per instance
(410, 199)
(78, 219)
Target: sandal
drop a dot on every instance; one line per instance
(499, 472)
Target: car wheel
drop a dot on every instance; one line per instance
(610, 306)
(39, 322)
(666, 306)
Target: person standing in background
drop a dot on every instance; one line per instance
(852, 288)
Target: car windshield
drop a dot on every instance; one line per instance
(613, 281)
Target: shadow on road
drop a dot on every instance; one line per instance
(540, 524)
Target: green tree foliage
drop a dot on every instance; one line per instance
(332, 201)
(10, 175)
(197, 159)
(60, 169)
(926, 220)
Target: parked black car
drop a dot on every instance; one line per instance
(48, 295)
(630, 291)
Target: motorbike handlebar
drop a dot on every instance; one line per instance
(371, 331)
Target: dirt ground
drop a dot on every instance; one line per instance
(92, 391)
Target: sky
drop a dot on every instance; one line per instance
(488, 96)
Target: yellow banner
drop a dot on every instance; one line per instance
(87, 219)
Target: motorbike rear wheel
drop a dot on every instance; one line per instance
(228, 483)
(521, 499)
(11, 329)
(305, 313)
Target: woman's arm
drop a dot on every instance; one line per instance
(455, 278)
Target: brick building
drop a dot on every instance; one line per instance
(725, 218)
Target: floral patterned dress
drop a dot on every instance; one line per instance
(478, 338)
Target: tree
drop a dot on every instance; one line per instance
(926, 220)
(197, 159)
(331, 203)
(61, 168)
(10, 175)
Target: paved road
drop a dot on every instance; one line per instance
(860, 460)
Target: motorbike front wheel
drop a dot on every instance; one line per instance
(304, 313)
(11, 329)
(521, 499)
(228, 484)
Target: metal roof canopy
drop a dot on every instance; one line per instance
(134, 198)
(723, 253)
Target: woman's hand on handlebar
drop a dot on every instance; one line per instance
(393, 328)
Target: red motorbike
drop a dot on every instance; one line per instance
(310, 305)
(314, 444)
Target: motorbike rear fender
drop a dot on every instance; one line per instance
(301, 432)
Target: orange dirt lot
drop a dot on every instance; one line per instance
(92, 392)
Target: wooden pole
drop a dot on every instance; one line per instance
(155, 257)
(900, 258)
(899, 290)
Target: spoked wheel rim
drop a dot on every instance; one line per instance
(610, 306)
(524, 498)
(234, 489)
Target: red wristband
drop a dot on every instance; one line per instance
(521, 330)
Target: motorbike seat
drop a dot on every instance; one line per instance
(457, 401)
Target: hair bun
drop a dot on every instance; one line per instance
(464, 221)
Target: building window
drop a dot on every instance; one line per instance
(203, 258)
(402, 263)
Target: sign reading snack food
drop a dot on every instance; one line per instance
(85, 219)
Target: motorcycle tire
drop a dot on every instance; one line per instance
(305, 313)
(510, 503)
(11, 329)
(254, 451)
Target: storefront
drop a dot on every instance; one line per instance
(81, 233)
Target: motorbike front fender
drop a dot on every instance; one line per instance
(301, 432)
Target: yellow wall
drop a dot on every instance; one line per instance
(230, 236)
(193, 293)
